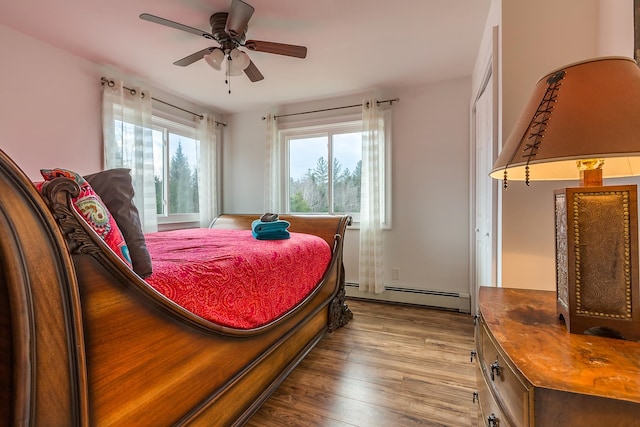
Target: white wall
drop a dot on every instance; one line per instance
(50, 105)
(429, 239)
(615, 35)
(538, 37)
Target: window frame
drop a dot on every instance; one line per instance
(330, 126)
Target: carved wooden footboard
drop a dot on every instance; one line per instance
(85, 341)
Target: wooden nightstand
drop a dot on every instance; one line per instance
(532, 372)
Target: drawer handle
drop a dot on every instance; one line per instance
(495, 370)
(476, 397)
(475, 320)
(473, 354)
(492, 421)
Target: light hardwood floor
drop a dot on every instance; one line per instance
(392, 365)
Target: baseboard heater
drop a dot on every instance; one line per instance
(437, 299)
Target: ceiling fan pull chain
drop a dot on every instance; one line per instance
(228, 77)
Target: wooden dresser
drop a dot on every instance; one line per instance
(532, 372)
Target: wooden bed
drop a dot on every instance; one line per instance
(86, 341)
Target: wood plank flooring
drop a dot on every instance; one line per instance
(392, 365)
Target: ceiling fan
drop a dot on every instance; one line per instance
(229, 30)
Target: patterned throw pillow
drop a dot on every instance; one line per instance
(89, 205)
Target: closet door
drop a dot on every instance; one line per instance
(486, 195)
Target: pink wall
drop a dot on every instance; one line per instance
(49, 106)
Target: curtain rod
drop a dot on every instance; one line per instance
(390, 101)
(111, 83)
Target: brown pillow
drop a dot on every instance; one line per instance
(115, 188)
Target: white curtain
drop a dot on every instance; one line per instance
(272, 170)
(128, 143)
(370, 265)
(207, 135)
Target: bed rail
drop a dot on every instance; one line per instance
(43, 378)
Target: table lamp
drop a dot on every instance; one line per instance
(583, 121)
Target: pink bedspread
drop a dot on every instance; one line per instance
(232, 279)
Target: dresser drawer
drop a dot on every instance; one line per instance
(488, 408)
(509, 390)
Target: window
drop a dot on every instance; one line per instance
(175, 171)
(323, 165)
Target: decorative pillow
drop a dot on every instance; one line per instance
(89, 205)
(115, 188)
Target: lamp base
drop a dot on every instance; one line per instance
(597, 260)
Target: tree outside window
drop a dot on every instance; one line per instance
(320, 185)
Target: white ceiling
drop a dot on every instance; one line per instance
(354, 46)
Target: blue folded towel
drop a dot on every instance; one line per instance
(262, 226)
(271, 230)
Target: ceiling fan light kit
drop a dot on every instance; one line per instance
(229, 29)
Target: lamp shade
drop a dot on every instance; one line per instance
(238, 62)
(215, 58)
(586, 110)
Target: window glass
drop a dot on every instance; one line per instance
(308, 174)
(175, 171)
(347, 167)
(183, 175)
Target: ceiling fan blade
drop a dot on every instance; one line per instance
(168, 23)
(253, 73)
(188, 60)
(238, 18)
(277, 48)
